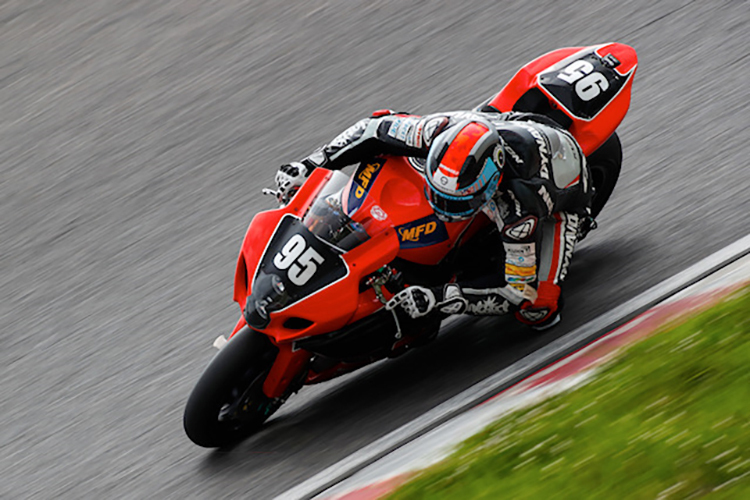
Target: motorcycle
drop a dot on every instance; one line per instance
(313, 276)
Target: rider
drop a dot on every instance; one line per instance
(522, 170)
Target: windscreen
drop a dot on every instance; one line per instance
(327, 218)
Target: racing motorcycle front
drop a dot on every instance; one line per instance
(313, 276)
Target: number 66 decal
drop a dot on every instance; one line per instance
(588, 83)
(300, 260)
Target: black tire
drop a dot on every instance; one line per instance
(227, 404)
(605, 164)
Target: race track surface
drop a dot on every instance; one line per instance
(135, 137)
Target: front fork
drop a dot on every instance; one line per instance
(286, 368)
(289, 366)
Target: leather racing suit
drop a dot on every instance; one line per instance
(542, 199)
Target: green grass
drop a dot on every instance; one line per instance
(668, 418)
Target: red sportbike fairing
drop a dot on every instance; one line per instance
(313, 277)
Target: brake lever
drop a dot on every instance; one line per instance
(270, 192)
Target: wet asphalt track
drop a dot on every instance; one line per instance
(135, 137)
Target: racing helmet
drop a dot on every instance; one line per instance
(464, 169)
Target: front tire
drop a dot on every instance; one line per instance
(227, 404)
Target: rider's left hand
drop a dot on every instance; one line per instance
(417, 301)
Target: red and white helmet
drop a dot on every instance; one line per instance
(464, 169)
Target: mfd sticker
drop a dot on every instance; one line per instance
(362, 181)
(422, 232)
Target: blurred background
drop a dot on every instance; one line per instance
(135, 137)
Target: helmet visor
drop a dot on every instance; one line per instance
(455, 207)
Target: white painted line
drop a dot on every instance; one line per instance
(440, 441)
(515, 372)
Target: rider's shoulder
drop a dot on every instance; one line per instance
(433, 124)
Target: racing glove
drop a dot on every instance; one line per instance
(543, 312)
(288, 179)
(418, 301)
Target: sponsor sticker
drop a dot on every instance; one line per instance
(520, 254)
(490, 306)
(534, 315)
(395, 125)
(570, 238)
(496, 210)
(318, 158)
(520, 270)
(512, 153)
(517, 281)
(449, 183)
(522, 229)
(430, 129)
(361, 182)
(541, 142)
(378, 213)
(403, 131)
(516, 203)
(418, 135)
(422, 232)
(547, 198)
(453, 301)
(410, 137)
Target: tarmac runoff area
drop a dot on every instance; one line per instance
(381, 467)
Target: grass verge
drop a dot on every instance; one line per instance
(669, 417)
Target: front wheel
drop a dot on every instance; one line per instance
(227, 404)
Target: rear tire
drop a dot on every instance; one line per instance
(227, 404)
(604, 165)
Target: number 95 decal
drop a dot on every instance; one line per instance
(588, 83)
(298, 260)
(585, 86)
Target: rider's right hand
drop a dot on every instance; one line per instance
(288, 179)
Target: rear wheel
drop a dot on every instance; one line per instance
(227, 404)
(604, 165)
